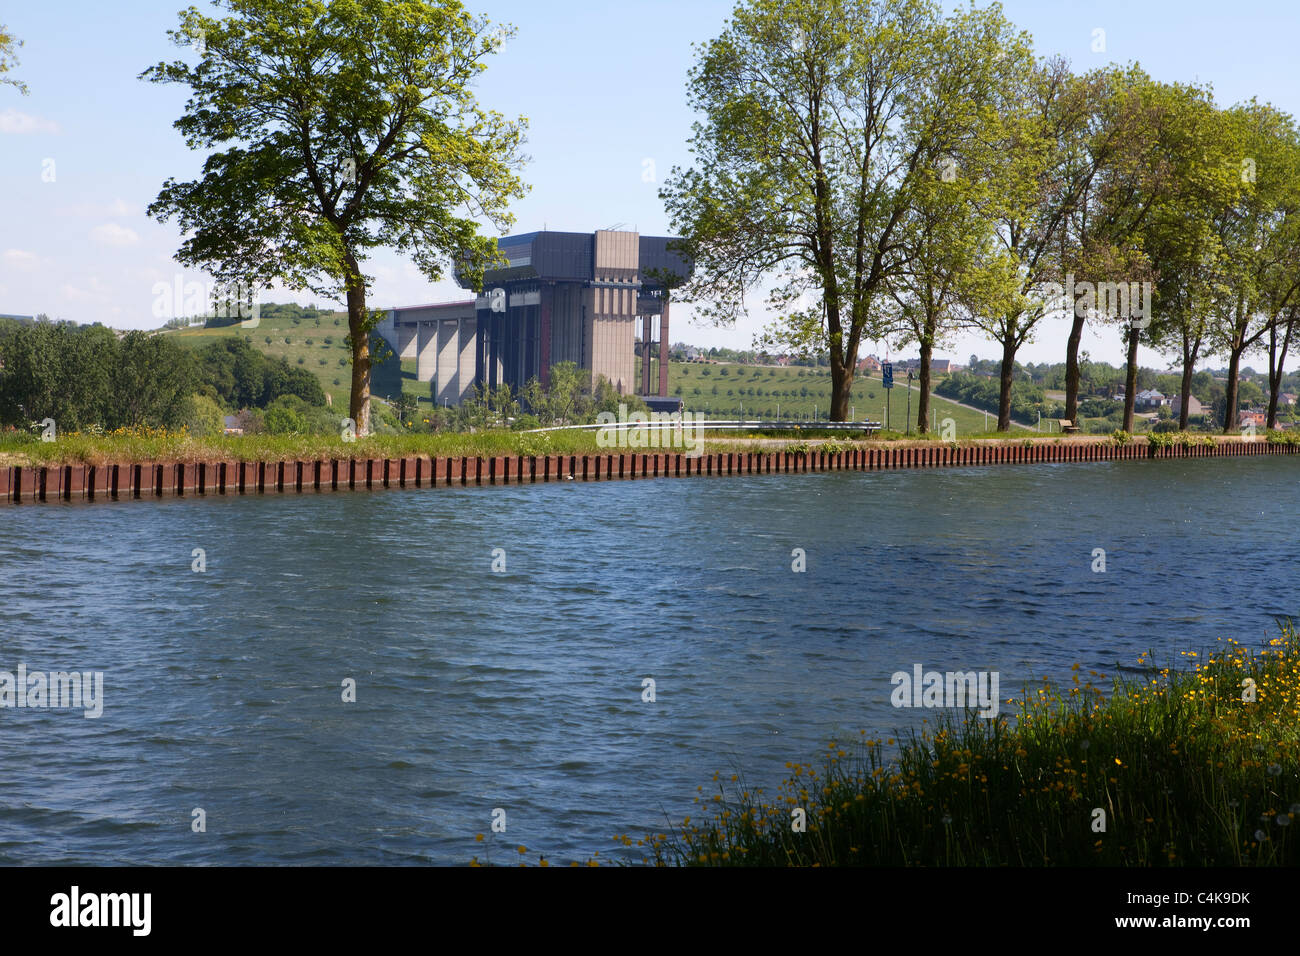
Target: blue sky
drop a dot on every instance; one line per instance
(80, 246)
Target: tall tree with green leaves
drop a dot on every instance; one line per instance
(1110, 157)
(1258, 237)
(1165, 165)
(1183, 237)
(345, 126)
(938, 282)
(821, 117)
(1041, 181)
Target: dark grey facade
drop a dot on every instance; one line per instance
(575, 297)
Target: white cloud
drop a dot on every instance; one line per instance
(20, 259)
(111, 234)
(98, 291)
(118, 207)
(20, 124)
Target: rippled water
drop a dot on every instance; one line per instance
(522, 690)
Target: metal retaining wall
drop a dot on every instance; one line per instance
(162, 479)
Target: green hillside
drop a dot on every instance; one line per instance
(726, 390)
(315, 341)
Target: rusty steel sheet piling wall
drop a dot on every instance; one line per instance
(21, 484)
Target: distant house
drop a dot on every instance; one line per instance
(1150, 399)
(869, 364)
(690, 353)
(232, 426)
(1247, 418)
(1194, 406)
(1287, 398)
(940, 366)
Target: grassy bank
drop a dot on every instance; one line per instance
(1185, 771)
(152, 444)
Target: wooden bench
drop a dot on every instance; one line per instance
(1067, 427)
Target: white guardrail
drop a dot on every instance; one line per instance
(707, 425)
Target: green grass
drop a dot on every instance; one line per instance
(280, 327)
(784, 388)
(148, 444)
(1186, 772)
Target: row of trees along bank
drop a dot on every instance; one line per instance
(902, 175)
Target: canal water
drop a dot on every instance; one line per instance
(523, 689)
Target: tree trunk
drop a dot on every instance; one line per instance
(1131, 380)
(841, 388)
(1004, 396)
(1072, 369)
(1276, 363)
(923, 382)
(1190, 350)
(1230, 392)
(358, 328)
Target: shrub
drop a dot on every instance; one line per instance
(204, 417)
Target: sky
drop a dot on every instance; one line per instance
(86, 152)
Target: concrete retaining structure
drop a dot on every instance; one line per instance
(175, 479)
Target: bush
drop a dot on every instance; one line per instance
(204, 417)
(281, 420)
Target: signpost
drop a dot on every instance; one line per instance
(887, 378)
(909, 401)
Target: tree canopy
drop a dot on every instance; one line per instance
(343, 126)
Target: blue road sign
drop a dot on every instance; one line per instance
(887, 373)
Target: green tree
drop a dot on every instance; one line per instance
(59, 371)
(820, 118)
(153, 382)
(204, 417)
(283, 419)
(1183, 236)
(348, 126)
(1259, 240)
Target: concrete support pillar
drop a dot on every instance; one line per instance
(407, 341)
(663, 350)
(427, 352)
(646, 324)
